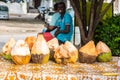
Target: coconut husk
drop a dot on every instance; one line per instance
(30, 40)
(102, 47)
(20, 53)
(40, 58)
(88, 53)
(40, 51)
(19, 60)
(86, 58)
(53, 45)
(66, 53)
(6, 49)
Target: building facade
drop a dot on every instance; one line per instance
(116, 6)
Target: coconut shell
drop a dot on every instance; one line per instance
(20, 53)
(19, 60)
(102, 47)
(6, 49)
(88, 53)
(40, 51)
(104, 52)
(30, 40)
(52, 52)
(53, 45)
(41, 58)
(86, 58)
(40, 46)
(66, 53)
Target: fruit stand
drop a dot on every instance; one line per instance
(54, 71)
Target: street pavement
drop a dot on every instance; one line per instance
(19, 27)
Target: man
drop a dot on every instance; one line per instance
(63, 27)
(65, 24)
(49, 31)
(55, 17)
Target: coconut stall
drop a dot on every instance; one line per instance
(36, 59)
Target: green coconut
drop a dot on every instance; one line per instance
(105, 54)
(6, 49)
(6, 56)
(104, 57)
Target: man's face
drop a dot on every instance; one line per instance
(61, 8)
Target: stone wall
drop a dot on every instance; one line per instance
(116, 8)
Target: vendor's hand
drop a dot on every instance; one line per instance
(57, 32)
(46, 25)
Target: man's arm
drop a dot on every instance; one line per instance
(65, 31)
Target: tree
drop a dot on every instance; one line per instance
(96, 13)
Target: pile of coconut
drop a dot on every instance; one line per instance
(38, 50)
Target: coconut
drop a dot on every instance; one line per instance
(104, 52)
(20, 53)
(40, 52)
(6, 49)
(53, 45)
(30, 40)
(66, 53)
(88, 53)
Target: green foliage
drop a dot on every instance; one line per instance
(108, 31)
(107, 14)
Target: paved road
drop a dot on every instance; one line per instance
(19, 27)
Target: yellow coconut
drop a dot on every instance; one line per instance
(66, 53)
(6, 49)
(30, 40)
(20, 53)
(40, 52)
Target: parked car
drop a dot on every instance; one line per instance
(4, 12)
(48, 16)
(70, 11)
(41, 9)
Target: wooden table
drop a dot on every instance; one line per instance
(53, 71)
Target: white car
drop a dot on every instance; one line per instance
(4, 12)
(48, 16)
(41, 9)
(71, 12)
